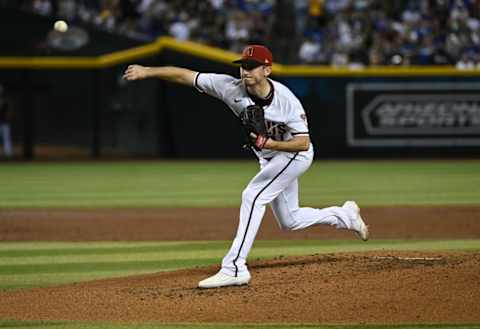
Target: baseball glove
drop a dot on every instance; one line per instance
(253, 121)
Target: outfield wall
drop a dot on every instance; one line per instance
(83, 103)
(351, 114)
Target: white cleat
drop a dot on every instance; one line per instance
(359, 226)
(223, 280)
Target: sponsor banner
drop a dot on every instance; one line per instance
(413, 114)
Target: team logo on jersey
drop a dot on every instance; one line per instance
(276, 129)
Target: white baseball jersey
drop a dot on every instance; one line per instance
(284, 117)
(277, 182)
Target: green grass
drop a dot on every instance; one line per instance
(34, 264)
(219, 184)
(207, 184)
(81, 325)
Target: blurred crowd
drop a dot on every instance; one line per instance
(376, 32)
(351, 33)
(223, 23)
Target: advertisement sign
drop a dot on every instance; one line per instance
(413, 114)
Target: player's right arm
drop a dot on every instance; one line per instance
(169, 73)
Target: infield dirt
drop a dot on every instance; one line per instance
(173, 224)
(373, 287)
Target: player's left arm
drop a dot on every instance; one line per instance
(298, 126)
(296, 144)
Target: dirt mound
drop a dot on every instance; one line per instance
(375, 287)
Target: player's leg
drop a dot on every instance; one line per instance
(291, 217)
(274, 176)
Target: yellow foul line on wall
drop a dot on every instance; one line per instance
(222, 56)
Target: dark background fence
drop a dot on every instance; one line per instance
(97, 113)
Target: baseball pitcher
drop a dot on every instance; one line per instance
(276, 124)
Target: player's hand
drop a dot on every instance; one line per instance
(135, 72)
(261, 142)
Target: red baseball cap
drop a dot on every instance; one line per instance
(254, 56)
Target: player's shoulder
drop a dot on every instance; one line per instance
(286, 96)
(283, 91)
(216, 84)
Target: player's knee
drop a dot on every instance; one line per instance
(285, 226)
(248, 195)
(251, 195)
(287, 223)
(289, 226)
(254, 195)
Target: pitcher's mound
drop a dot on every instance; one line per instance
(374, 287)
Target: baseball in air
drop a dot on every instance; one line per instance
(60, 26)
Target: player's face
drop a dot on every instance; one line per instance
(255, 76)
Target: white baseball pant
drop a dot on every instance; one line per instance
(277, 184)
